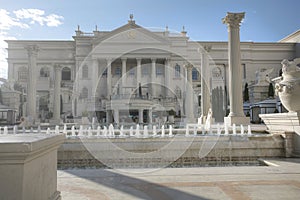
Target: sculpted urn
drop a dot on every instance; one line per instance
(287, 87)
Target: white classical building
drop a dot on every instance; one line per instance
(132, 74)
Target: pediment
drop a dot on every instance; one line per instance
(133, 34)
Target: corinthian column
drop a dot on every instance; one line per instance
(108, 79)
(57, 87)
(153, 77)
(205, 83)
(236, 115)
(189, 103)
(124, 75)
(138, 72)
(32, 51)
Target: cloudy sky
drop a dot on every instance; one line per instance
(265, 21)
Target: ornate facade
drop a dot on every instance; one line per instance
(132, 74)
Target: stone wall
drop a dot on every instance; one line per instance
(169, 151)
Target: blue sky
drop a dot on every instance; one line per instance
(265, 20)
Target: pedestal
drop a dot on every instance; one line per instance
(28, 166)
(282, 121)
(230, 120)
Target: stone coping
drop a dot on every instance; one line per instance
(26, 143)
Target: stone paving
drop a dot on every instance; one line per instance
(279, 180)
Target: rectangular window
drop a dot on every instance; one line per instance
(118, 71)
(159, 70)
(195, 74)
(22, 75)
(145, 70)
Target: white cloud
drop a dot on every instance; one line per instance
(7, 21)
(38, 16)
(22, 18)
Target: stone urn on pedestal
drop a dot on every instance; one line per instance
(287, 87)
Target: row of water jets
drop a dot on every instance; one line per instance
(138, 131)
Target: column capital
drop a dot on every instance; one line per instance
(153, 60)
(108, 61)
(32, 50)
(57, 66)
(139, 60)
(188, 66)
(233, 20)
(124, 59)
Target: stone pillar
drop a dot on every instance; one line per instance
(153, 77)
(236, 115)
(56, 93)
(108, 78)
(32, 51)
(150, 116)
(138, 71)
(141, 119)
(116, 116)
(95, 78)
(189, 103)
(167, 77)
(124, 75)
(108, 116)
(205, 83)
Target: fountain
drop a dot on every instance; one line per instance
(105, 131)
(65, 129)
(98, 130)
(131, 131)
(5, 131)
(187, 131)
(137, 131)
(249, 130)
(226, 129)
(170, 131)
(47, 131)
(73, 131)
(111, 131)
(154, 131)
(146, 135)
(90, 131)
(233, 129)
(163, 131)
(218, 129)
(56, 130)
(80, 132)
(122, 131)
(242, 130)
(15, 130)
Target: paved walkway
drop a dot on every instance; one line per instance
(279, 181)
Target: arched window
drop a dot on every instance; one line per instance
(177, 71)
(178, 92)
(66, 74)
(44, 72)
(22, 73)
(85, 72)
(84, 93)
(195, 74)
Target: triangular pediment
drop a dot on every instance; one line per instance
(131, 33)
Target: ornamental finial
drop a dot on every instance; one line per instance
(131, 17)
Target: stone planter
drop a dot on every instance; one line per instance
(287, 87)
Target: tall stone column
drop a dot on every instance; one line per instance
(153, 77)
(56, 95)
(150, 116)
(167, 77)
(138, 71)
(124, 75)
(205, 83)
(116, 116)
(32, 51)
(189, 103)
(141, 117)
(108, 78)
(236, 115)
(95, 78)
